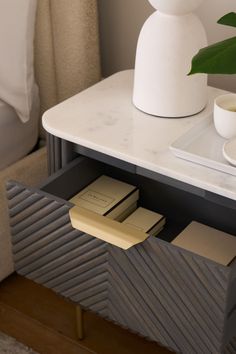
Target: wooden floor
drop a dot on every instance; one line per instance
(44, 321)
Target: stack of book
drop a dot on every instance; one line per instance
(146, 220)
(108, 197)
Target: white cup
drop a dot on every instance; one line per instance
(225, 115)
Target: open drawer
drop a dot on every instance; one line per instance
(165, 293)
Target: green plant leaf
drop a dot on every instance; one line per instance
(228, 20)
(219, 58)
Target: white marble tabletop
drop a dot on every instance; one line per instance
(104, 119)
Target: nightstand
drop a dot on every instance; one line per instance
(182, 300)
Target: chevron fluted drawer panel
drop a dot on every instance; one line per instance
(162, 292)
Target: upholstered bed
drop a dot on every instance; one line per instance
(17, 139)
(66, 60)
(19, 97)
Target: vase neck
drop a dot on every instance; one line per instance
(175, 7)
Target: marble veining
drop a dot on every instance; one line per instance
(104, 119)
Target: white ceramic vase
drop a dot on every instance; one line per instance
(167, 43)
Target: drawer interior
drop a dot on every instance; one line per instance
(180, 207)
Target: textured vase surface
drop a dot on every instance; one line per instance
(167, 43)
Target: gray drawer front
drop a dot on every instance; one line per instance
(162, 292)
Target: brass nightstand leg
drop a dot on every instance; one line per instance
(79, 322)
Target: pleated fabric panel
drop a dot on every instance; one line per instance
(67, 54)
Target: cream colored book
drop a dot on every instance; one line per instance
(107, 196)
(207, 242)
(146, 220)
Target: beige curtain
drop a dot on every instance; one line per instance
(67, 56)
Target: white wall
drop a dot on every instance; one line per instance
(120, 24)
(121, 21)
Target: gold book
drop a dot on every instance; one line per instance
(108, 196)
(146, 220)
(207, 242)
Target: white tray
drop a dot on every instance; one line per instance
(203, 145)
